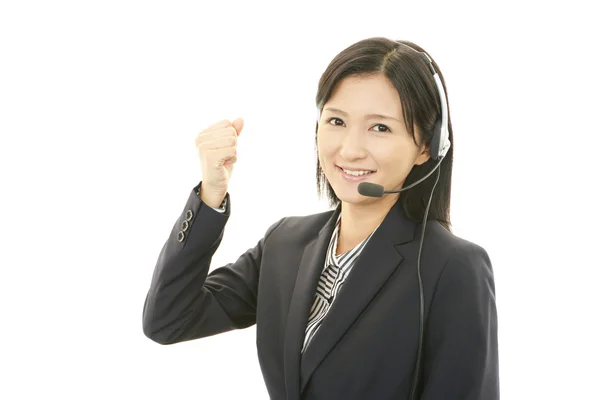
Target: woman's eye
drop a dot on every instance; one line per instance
(384, 128)
(335, 119)
(338, 122)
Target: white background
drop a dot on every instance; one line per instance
(100, 103)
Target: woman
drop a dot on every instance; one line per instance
(349, 303)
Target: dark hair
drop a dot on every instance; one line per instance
(421, 107)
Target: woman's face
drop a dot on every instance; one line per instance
(362, 129)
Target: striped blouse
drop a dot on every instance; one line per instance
(332, 279)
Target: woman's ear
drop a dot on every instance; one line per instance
(424, 154)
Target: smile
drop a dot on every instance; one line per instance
(354, 176)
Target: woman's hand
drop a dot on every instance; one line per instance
(217, 149)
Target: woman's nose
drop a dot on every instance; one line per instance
(353, 144)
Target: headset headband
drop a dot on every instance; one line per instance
(440, 142)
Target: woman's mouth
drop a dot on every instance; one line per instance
(354, 175)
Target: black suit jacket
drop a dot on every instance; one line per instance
(367, 344)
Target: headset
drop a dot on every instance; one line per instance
(439, 146)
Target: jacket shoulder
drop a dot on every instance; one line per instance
(458, 259)
(449, 243)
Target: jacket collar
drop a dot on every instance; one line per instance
(363, 282)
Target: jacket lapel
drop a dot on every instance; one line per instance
(378, 260)
(309, 271)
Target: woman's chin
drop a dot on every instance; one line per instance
(349, 195)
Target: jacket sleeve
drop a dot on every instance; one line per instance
(461, 337)
(184, 302)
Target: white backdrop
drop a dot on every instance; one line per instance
(100, 103)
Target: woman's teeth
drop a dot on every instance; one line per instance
(357, 173)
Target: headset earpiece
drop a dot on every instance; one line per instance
(435, 145)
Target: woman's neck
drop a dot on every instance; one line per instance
(359, 220)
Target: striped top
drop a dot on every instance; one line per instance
(333, 276)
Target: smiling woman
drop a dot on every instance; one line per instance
(355, 144)
(356, 302)
(388, 85)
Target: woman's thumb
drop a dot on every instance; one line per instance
(238, 124)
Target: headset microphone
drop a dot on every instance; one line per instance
(374, 190)
(370, 189)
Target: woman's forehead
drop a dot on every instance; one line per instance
(373, 97)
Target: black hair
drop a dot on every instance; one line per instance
(421, 108)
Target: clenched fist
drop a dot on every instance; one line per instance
(217, 148)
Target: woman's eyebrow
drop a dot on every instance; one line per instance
(381, 116)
